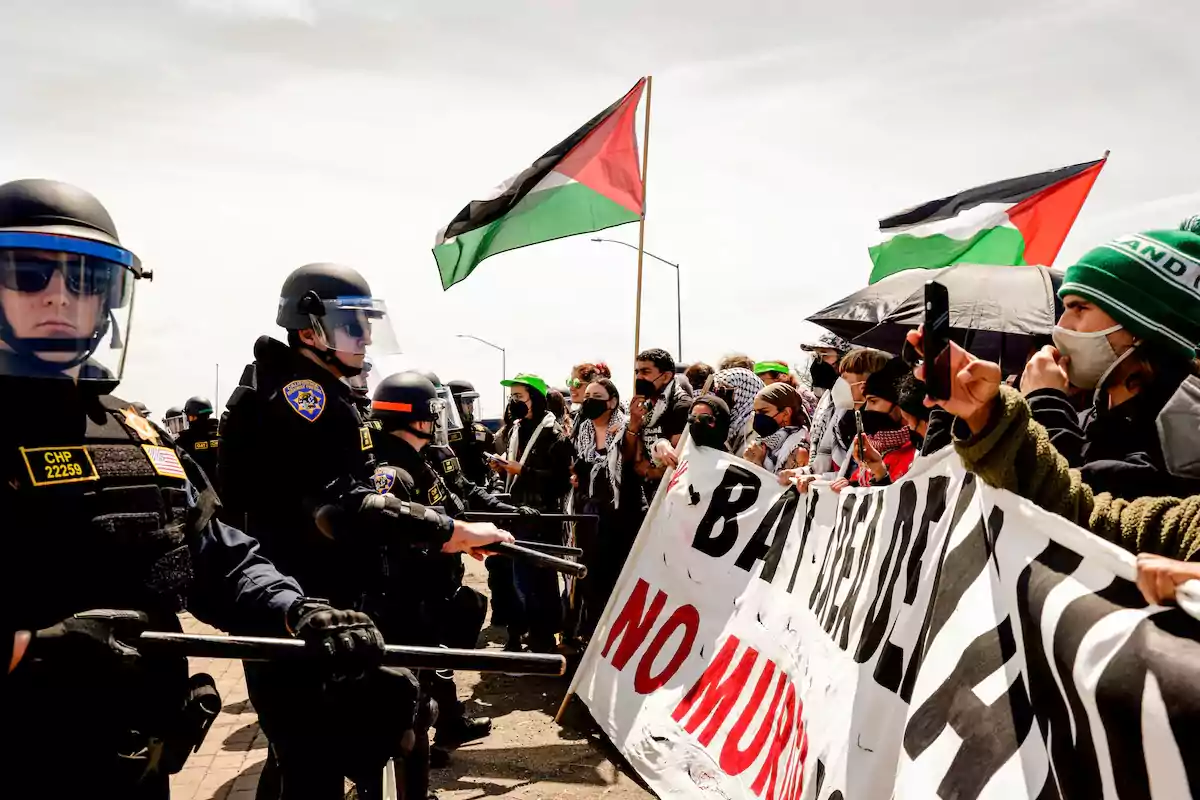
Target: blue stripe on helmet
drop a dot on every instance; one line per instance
(29, 240)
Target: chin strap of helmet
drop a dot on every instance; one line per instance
(27, 350)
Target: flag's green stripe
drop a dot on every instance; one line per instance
(539, 217)
(1000, 245)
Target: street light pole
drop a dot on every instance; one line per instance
(503, 362)
(678, 291)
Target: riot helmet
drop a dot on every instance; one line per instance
(466, 399)
(335, 303)
(66, 284)
(453, 420)
(174, 421)
(140, 408)
(406, 398)
(197, 408)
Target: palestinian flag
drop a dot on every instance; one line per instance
(1017, 221)
(587, 182)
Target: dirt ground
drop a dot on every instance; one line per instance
(527, 756)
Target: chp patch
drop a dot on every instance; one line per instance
(385, 479)
(364, 437)
(50, 465)
(140, 425)
(306, 398)
(165, 461)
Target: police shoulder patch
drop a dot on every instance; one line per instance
(385, 479)
(49, 465)
(364, 437)
(165, 461)
(450, 466)
(306, 398)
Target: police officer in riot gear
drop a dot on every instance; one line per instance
(474, 440)
(200, 438)
(319, 517)
(109, 528)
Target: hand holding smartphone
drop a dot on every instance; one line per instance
(936, 341)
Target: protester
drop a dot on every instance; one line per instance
(889, 449)
(999, 441)
(827, 353)
(831, 451)
(738, 387)
(929, 428)
(708, 422)
(556, 404)
(581, 376)
(1128, 334)
(658, 414)
(697, 375)
(780, 420)
(774, 372)
(736, 361)
(598, 473)
(537, 472)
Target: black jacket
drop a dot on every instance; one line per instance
(545, 476)
(1117, 450)
(202, 443)
(297, 467)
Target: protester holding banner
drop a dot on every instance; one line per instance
(832, 453)
(890, 448)
(780, 419)
(738, 387)
(1129, 334)
(708, 423)
(827, 351)
(598, 473)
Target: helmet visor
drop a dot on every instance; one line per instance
(65, 306)
(468, 405)
(441, 422)
(356, 325)
(453, 420)
(175, 425)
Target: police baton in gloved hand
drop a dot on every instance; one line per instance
(256, 648)
(536, 553)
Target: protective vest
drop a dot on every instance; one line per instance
(103, 517)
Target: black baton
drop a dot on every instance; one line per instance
(256, 648)
(537, 558)
(552, 549)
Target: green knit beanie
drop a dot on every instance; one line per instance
(1149, 283)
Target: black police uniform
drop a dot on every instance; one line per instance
(297, 468)
(101, 512)
(202, 442)
(470, 444)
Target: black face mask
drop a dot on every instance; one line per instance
(878, 421)
(517, 409)
(593, 407)
(643, 387)
(823, 375)
(706, 435)
(764, 424)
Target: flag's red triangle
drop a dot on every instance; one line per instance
(606, 161)
(1045, 219)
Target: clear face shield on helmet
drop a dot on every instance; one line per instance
(453, 420)
(441, 422)
(352, 326)
(175, 424)
(468, 406)
(65, 306)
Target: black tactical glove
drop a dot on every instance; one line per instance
(528, 511)
(102, 634)
(347, 642)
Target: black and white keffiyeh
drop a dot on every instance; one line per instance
(745, 385)
(585, 450)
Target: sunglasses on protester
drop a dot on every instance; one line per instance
(703, 419)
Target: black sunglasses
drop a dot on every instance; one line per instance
(28, 271)
(703, 419)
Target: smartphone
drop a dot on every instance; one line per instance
(494, 457)
(936, 341)
(860, 434)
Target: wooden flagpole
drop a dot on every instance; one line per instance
(637, 320)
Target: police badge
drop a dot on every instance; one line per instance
(385, 479)
(306, 398)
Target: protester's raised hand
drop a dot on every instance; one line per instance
(637, 413)
(974, 384)
(1046, 370)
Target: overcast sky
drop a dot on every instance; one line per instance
(234, 140)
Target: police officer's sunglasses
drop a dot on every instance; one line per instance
(28, 262)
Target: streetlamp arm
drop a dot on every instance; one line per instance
(634, 247)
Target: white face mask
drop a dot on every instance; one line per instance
(1179, 430)
(843, 395)
(1092, 357)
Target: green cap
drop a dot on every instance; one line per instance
(527, 379)
(770, 366)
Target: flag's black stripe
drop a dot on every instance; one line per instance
(1013, 190)
(479, 213)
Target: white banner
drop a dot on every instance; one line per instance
(937, 638)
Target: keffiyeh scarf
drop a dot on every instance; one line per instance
(585, 449)
(780, 445)
(745, 386)
(884, 442)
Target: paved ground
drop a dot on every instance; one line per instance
(527, 756)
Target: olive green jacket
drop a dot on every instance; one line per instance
(1013, 452)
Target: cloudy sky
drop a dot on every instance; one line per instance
(234, 140)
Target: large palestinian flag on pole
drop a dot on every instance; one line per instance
(1017, 221)
(587, 182)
